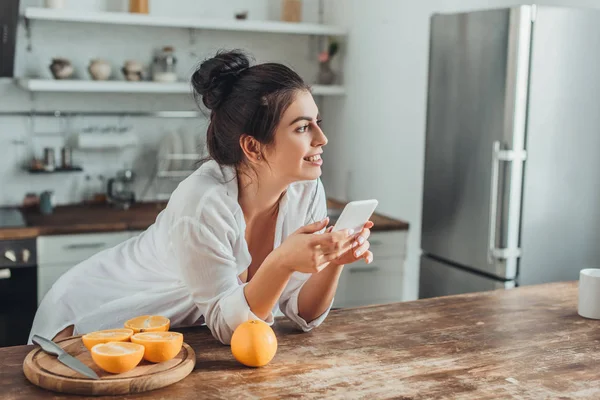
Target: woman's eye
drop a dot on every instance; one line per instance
(319, 122)
(303, 128)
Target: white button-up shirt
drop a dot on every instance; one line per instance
(185, 266)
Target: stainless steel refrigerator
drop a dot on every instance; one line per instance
(512, 159)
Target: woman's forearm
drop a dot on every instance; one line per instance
(317, 293)
(266, 286)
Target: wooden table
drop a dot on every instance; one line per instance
(522, 343)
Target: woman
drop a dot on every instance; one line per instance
(236, 240)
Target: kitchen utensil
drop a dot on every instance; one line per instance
(31, 200)
(66, 155)
(47, 372)
(49, 159)
(120, 189)
(52, 348)
(589, 293)
(47, 202)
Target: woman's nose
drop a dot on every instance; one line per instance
(320, 139)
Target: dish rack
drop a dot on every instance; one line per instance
(174, 161)
(172, 176)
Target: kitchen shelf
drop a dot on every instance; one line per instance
(88, 86)
(71, 85)
(56, 170)
(124, 18)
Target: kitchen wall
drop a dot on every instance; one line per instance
(22, 137)
(378, 143)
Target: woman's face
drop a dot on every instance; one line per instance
(296, 152)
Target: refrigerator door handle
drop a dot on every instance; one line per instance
(495, 253)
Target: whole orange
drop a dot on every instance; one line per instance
(254, 343)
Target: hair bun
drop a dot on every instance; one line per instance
(215, 77)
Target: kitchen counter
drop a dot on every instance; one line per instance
(73, 219)
(521, 343)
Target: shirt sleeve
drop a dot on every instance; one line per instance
(205, 250)
(288, 302)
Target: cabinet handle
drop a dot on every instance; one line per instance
(5, 273)
(80, 246)
(373, 268)
(375, 242)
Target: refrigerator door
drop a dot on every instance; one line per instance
(476, 112)
(440, 279)
(561, 195)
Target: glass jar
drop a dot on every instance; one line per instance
(164, 65)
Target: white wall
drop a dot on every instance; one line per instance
(82, 42)
(377, 137)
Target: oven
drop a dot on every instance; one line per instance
(18, 290)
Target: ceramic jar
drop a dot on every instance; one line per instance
(133, 71)
(61, 68)
(99, 69)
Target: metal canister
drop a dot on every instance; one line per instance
(49, 160)
(66, 154)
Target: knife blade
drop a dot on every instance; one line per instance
(50, 347)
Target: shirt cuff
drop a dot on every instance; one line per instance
(236, 311)
(305, 326)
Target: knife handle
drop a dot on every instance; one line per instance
(47, 345)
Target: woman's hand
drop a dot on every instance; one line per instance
(359, 249)
(303, 251)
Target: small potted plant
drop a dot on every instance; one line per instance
(326, 75)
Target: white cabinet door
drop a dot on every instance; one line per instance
(376, 283)
(363, 284)
(388, 244)
(59, 249)
(59, 253)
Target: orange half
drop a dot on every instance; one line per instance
(160, 346)
(148, 323)
(109, 335)
(117, 357)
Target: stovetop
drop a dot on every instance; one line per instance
(11, 218)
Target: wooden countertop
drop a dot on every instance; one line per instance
(104, 218)
(521, 343)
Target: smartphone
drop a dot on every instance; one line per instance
(355, 215)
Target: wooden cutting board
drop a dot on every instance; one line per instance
(44, 370)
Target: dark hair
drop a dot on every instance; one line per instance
(242, 99)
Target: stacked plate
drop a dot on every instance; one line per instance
(180, 151)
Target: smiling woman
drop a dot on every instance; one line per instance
(237, 240)
(262, 112)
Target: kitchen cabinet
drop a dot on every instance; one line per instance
(360, 284)
(363, 284)
(59, 253)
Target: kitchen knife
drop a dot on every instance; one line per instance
(50, 347)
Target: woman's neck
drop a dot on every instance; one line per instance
(259, 198)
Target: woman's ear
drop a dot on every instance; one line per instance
(251, 148)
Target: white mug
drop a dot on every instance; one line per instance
(589, 293)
